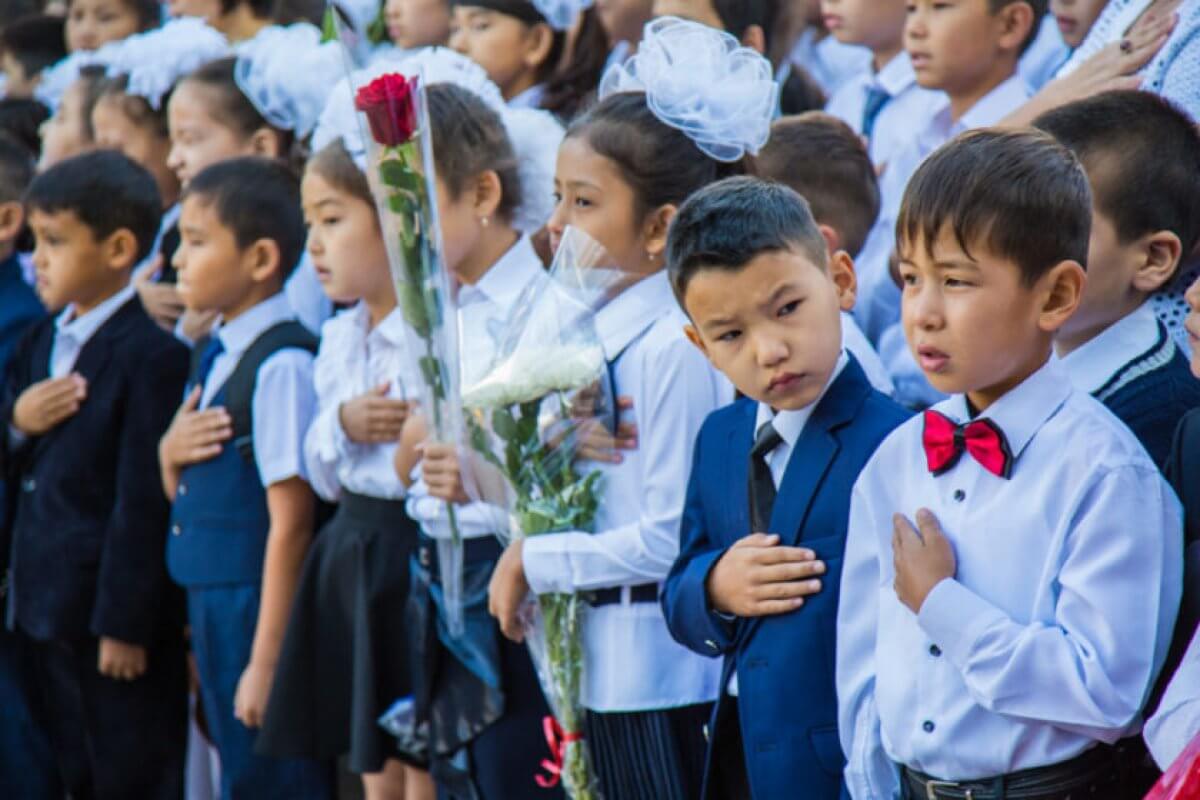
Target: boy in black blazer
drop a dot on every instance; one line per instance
(89, 393)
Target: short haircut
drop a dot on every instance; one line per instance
(34, 42)
(1019, 195)
(824, 160)
(16, 169)
(106, 191)
(1142, 155)
(728, 224)
(255, 198)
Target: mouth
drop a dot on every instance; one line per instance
(932, 360)
(1066, 25)
(324, 274)
(919, 60)
(784, 382)
(833, 22)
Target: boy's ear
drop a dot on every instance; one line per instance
(265, 142)
(841, 270)
(120, 250)
(12, 221)
(654, 230)
(489, 193)
(1060, 290)
(1162, 250)
(833, 242)
(693, 336)
(755, 39)
(265, 260)
(539, 43)
(1017, 21)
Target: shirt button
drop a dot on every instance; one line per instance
(29, 485)
(960, 495)
(928, 726)
(176, 530)
(934, 650)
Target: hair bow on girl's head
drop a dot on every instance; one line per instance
(156, 60)
(287, 73)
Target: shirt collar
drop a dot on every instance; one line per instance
(790, 424)
(82, 328)
(1022, 411)
(995, 105)
(237, 335)
(896, 75)
(630, 313)
(530, 98)
(506, 279)
(1094, 363)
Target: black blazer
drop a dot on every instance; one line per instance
(89, 518)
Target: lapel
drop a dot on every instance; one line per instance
(733, 470)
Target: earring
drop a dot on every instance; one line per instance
(651, 256)
(485, 221)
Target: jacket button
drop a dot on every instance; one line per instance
(29, 485)
(928, 726)
(176, 530)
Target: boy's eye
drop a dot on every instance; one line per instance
(956, 282)
(729, 336)
(788, 308)
(908, 278)
(582, 202)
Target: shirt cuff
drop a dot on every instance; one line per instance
(547, 561)
(954, 618)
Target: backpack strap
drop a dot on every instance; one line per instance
(239, 389)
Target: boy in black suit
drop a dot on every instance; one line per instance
(89, 393)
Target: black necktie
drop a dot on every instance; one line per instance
(762, 483)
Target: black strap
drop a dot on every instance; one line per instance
(643, 593)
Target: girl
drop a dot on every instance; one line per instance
(1075, 18)
(68, 132)
(623, 170)
(242, 20)
(417, 23)
(513, 41)
(254, 105)
(477, 693)
(93, 23)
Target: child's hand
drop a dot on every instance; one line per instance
(47, 403)
(440, 469)
(758, 578)
(597, 444)
(373, 418)
(195, 436)
(250, 700)
(922, 560)
(507, 592)
(161, 300)
(121, 661)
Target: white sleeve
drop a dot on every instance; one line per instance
(1177, 720)
(283, 408)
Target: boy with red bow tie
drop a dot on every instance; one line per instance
(1020, 622)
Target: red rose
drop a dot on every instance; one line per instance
(389, 102)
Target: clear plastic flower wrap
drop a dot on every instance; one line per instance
(546, 394)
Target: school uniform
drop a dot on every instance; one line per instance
(1039, 653)
(1135, 369)
(344, 659)
(87, 554)
(829, 62)
(218, 537)
(476, 695)
(647, 696)
(882, 106)
(775, 726)
(530, 98)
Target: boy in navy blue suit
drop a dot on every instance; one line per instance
(764, 526)
(88, 395)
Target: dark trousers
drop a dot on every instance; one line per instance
(113, 739)
(729, 779)
(27, 766)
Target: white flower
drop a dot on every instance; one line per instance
(532, 374)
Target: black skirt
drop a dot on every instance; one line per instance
(345, 657)
(649, 755)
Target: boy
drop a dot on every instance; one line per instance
(232, 461)
(1013, 640)
(819, 156)
(88, 395)
(1142, 157)
(749, 266)
(881, 104)
(28, 46)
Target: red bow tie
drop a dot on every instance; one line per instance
(945, 442)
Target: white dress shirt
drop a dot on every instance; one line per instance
(1177, 720)
(308, 299)
(483, 313)
(71, 333)
(1094, 363)
(1059, 616)
(909, 106)
(633, 663)
(1046, 54)
(284, 402)
(530, 98)
(354, 359)
(855, 342)
(829, 62)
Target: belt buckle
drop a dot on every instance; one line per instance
(932, 788)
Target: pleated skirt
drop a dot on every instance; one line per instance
(649, 755)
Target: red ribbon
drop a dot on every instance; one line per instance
(558, 739)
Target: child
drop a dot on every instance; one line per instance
(232, 460)
(883, 103)
(1075, 18)
(513, 41)
(751, 269)
(417, 23)
(355, 580)
(90, 24)
(69, 131)
(252, 105)
(88, 394)
(29, 45)
(1142, 156)
(1013, 640)
(819, 54)
(623, 170)
(821, 157)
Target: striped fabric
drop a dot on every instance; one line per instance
(650, 755)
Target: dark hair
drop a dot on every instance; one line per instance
(92, 78)
(16, 169)
(660, 163)
(1019, 195)
(730, 223)
(525, 12)
(262, 9)
(135, 107)
(738, 16)
(1142, 155)
(335, 166)
(826, 162)
(148, 12)
(255, 198)
(107, 191)
(20, 119)
(1039, 11)
(469, 139)
(34, 42)
(574, 83)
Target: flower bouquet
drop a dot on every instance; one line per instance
(400, 169)
(527, 417)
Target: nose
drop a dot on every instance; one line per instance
(558, 220)
(922, 306)
(314, 242)
(915, 25)
(769, 349)
(458, 41)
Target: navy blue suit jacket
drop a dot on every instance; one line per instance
(19, 308)
(89, 518)
(787, 699)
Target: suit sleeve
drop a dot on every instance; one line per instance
(16, 381)
(132, 577)
(690, 618)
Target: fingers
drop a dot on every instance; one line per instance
(193, 399)
(757, 540)
(784, 555)
(903, 532)
(787, 590)
(789, 571)
(928, 525)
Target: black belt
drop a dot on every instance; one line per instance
(1100, 767)
(642, 593)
